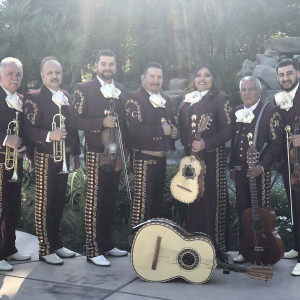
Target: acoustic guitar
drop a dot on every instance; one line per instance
(162, 251)
(188, 184)
(261, 244)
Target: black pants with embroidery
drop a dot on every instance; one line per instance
(10, 203)
(149, 182)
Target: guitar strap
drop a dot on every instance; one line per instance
(256, 129)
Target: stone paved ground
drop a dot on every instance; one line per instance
(77, 279)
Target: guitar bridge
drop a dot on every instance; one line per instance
(259, 249)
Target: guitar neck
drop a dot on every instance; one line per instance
(198, 136)
(254, 200)
(254, 271)
(231, 267)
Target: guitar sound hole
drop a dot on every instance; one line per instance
(188, 259)
(188, 172)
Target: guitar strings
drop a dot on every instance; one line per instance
(202, 260)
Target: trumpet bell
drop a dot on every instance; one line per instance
(64, 170)
(15, 178)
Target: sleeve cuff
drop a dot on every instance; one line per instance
(48, 137)
(4, 142)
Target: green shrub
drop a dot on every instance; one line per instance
(72, 225)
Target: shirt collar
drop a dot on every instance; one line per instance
(151, 93)
(7, 92)
(204, 93)
(253, 106)
(102, 82)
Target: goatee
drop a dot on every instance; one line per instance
(107, 76)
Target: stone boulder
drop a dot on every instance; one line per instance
(268, 95)
(175, 96)
(266, 60)
(268, 75)
(284, 45)
(176, 84)
(174, 157)
(272, 53)
(248, 67)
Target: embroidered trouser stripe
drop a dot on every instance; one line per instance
(222, 200)
(102, 194)
(149, 181)
(50, 202)
(92, 162)
(1, 187)
(41, 167)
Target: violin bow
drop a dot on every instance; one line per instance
(112, 108)
(288, 131)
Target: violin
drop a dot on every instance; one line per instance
(294, 155)
(111, 158)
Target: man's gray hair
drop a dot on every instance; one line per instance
(8, 60)
(251, 78)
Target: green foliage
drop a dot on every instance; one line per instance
(178, 35)
(32, 30)
(281, 207)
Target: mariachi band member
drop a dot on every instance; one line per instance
(92, 111)
(288, 75)
(209, 214)
(47, 129)
(152, 132)
(11, 165)
(264, 126)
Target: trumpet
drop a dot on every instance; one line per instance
(11, 154)
(59, 147)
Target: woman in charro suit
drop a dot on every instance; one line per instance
(209, 214)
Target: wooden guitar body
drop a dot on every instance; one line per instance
(160, 252)
(188, 184)
(261, 243)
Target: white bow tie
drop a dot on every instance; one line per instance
(59, 98)
(193, 97)
(109, 90)
(13, 101)
(244, 115)
(284, 100)
(157, 100)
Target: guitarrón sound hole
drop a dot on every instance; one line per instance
(188, 259)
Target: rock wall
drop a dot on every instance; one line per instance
(265, 65)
